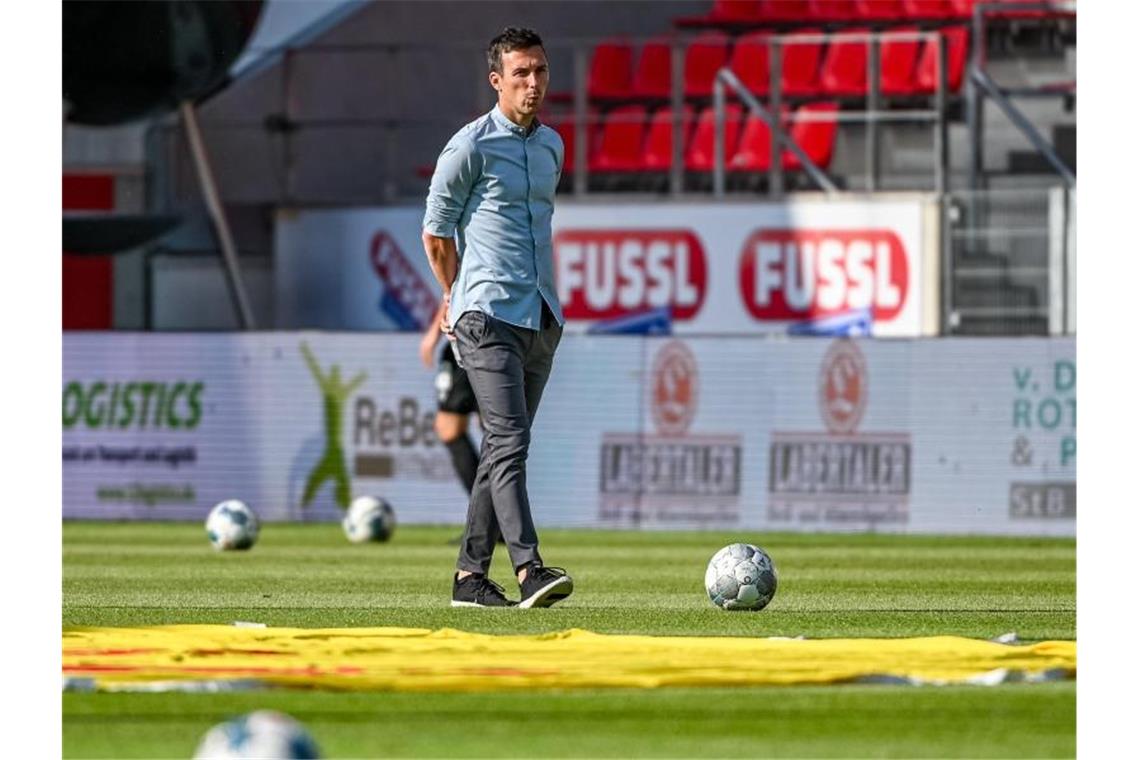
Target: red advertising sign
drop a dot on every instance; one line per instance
(607, 273)
(805, 273)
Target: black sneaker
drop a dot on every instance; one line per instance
(478, 591)
(544, 586)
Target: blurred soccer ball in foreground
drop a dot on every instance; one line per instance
(369, 519)
(741, 577)
(262, 734)
(232, 525)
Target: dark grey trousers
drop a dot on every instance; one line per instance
(508, 367)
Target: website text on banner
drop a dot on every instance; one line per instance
(849, 267)
(806, 434)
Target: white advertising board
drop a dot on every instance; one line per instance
(164, 426)
(354, 269)
(720, 268)
(949, 435)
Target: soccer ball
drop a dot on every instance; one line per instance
(262, 734)
(369, 519)
(741, 577)
(232, 525)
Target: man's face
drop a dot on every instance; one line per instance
(523, 83)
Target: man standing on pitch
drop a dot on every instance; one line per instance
(494, 185)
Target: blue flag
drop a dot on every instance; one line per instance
(848, 324)
(395, 311)
(652, 322)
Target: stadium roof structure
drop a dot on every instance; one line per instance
(285, 25)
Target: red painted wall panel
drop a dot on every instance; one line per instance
(88, 281)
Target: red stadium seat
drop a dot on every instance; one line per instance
(962, 8)
(956, 39)
(619, 148)
(845, 66)
(826, 11)
(652, 79)
(786, 10)
(750, 62)
(817, 138)
(897, 62)
(707, 54)
(754, 151)
(657, 153)
(1013, 12)
(878, 10)
(926, 9)
(736, 11)
(611, 70)
(699, 156)
(565, 129)
(799, 65)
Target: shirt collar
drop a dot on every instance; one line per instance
(502, 120)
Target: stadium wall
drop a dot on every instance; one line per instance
(754, 433)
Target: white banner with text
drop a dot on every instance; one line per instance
(948, 435)
(854, 266)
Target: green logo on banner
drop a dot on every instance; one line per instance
(141, 405)
(332, 464)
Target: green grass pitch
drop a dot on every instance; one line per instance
(647, 582)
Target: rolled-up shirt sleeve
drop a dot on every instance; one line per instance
(451, 184)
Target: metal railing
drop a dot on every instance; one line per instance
(781, 140)
(980, 86)
(1009, 262)
(871, 116)
(393, 146)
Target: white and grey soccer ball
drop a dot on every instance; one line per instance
(741, 577)
(261, 734)
(231, 524)
(369, 518)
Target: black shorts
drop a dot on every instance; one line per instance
(452, 389)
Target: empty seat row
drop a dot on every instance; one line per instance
(630, 139)
(784, 12)
(908, 65)
(747, 14)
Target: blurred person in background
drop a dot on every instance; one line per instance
(455, 404)
(455, 399)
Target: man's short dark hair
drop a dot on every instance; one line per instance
(511, 38)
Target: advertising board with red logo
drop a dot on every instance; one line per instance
(840, 474)
(853, 266)
(679, 471)
(840, 267)
(809, 434)
(959, 435)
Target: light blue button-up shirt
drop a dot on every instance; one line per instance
(494, 184)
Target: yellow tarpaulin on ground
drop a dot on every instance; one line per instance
(410, 659)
